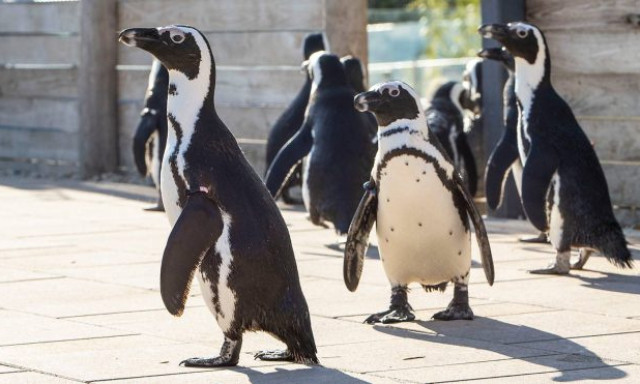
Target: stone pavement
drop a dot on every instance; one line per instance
(79, 302)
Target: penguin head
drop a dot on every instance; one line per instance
(325, 70)
(499, 54)
(471, 99)
(355, 73)
(180, 48)
(313, 42)
(522, 40)
(390, 102)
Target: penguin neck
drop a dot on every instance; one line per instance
(454, 95)
(419, 123)
(191, 99)
(532, 77)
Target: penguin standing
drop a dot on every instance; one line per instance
(291, 119)
(504, 156)
(445, 118)
(355, 77)
(151, 134)
(338, 141)
(212, 196)
(421, 209)
(564, 190)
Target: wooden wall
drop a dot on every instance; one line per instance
(256, 44)
(596, 68)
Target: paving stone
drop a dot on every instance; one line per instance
(8, 275)
(6, 369)
(32, 378)
(630, 375)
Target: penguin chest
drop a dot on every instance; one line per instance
(421, 235)
(169, 189)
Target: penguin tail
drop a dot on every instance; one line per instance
(613, 246)
(303, 348)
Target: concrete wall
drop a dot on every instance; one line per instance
(596, 68)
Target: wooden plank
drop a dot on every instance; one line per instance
(346, 28)
(39, 49)
(26, 82)
(38, 143)
(582, 15)
(52, 17)
(42, 113)
(623, 179)
(600, 94)
(613, 139)
(270, 87)
(224, 15)
(242, 48)
(591, 52)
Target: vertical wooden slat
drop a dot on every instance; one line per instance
(98, 87)
(493, 78)
(346, 28)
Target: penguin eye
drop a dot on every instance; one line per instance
(177, 36)
(394, 92)
(522, 32)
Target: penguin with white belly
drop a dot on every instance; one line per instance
(564, 190)
(421, 209)
(227, 230)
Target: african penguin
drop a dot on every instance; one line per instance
(472, 83)
(151, 134)
(504, 157)
(336, 139)
(355, 76)
(564, 190)
(291, 119)
(421, 209)
(212, 196)
(445, 118)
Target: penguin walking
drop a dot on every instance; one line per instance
(151, 134)
(421, 209)
(336, 139)
(564, 190)
(445, 118)
(504, 156)
(291, 119)
(246, 267)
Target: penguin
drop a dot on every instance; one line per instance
(421, 209)
(355, 76)
(564, 190)
(151, 134)
(445, 118)
(504, 156)
(336, 139)
(472, 99)
(291, 119)
(212, 196)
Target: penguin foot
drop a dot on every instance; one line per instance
(157, 208)
(392, 315)
(457, 311)
(209, 362)
(542, 238)
(280, 355)
(583, 256)
(553, 269)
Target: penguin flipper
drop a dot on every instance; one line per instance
(358, 237)
(196, 230)
(481, 231)
(500, 161)
(283, 165)
(146, 127)
(469, 162)
(538, 171)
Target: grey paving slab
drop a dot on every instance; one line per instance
(6, 369)
(9, 275)
(510, 368)
(32, 378)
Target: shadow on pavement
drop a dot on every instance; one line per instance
(500, 337)
(608, 281)
(311, 374)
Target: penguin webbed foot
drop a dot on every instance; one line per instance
(210, 362)
(157, 208)
(392, 315)
(583, 256)
(553, 269)
(455, 311)
(542, 238)
(277, 355)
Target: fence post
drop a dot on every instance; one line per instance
(97, 84)
(493, 78)
(345, 24)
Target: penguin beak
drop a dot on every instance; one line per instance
(367, 101)
(491, 53)
(143, 38)
(499, 32)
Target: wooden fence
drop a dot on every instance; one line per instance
(70, 95)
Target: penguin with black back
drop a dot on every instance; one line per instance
(151, 134)
(355, 76)
(291, 119)
(421, 209)
(336, 139)
(445, 118)
(564, 190)
(213, 197)
(504, 156)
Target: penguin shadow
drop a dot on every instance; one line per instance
(309, 374)
(609, 281)
(372, 251)
(500, 337)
